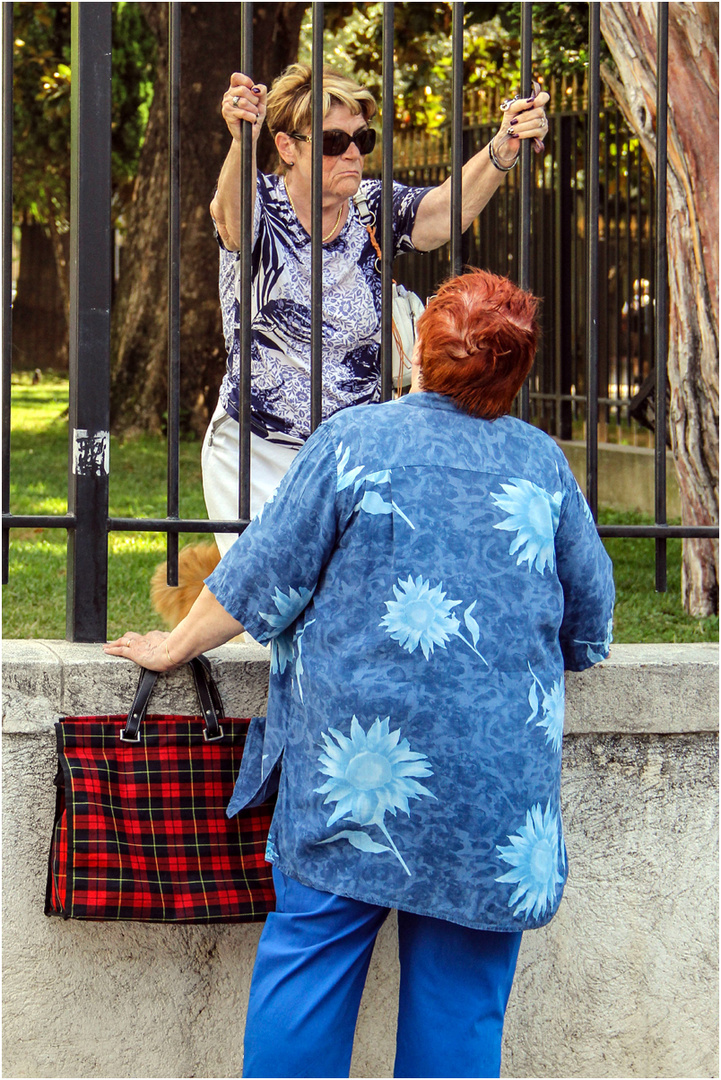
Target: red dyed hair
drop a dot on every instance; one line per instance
(477, 341)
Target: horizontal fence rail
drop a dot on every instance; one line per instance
(568, 224)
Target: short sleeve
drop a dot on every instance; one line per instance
(586, 575)
(269, 575)
(406, 201)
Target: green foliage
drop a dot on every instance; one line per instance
(422, 43)
(34, 599)
(41, 95)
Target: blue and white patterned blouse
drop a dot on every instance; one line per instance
(423, 578)
(281, 325)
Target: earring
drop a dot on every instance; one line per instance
(289, 164)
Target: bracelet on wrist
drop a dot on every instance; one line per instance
(167, 653)
(499, 164)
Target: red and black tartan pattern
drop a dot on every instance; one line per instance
(140, 828)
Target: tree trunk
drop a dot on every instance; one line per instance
(210, 51)
(692, 240)
(40, 321)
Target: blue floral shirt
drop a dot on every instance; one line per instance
(423, 578)
(281, 322)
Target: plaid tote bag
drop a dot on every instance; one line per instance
(140, 829)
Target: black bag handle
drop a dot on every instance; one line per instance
(211, 707)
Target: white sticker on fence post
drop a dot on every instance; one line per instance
(91, 453)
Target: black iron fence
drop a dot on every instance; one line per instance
(562, 219)
(625, 272)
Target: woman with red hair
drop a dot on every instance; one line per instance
(425, 573)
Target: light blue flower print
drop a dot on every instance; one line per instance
(289, 608)
(271, 852)
(298, 643)
(534, 516)
(598, 650)
(281, 652)
(552, 709)
(370, 774)
(372, 502)
(534, 853)
(268, 501)
(421, 615)
(584, 505)
(345, 477)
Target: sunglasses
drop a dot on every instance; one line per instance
(336, 143)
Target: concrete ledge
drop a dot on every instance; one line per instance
(625, 476)
(622, 983)
(640, 689)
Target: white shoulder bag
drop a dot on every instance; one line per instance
(407, 307)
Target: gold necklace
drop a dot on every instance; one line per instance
(324, 239)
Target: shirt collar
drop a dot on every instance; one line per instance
(424, 399)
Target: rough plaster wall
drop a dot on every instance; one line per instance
(620, 984)
(623, 982)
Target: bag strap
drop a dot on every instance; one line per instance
(211, 706)
(368, 220)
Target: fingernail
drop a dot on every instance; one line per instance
(531, 98)
(514, 121)
(256, 90)
(513, 135)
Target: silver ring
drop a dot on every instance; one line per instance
(235, 100)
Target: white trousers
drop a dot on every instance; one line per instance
(269, 462)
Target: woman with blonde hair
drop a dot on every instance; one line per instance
(281, 288)
(425, 573)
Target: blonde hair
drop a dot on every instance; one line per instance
(290, 98)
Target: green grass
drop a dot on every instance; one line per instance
(34, 599)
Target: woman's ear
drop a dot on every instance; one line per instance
(285, 147)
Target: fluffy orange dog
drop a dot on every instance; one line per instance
(173, 602)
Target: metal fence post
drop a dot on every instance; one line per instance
(316, 223)
(387, 206)
(457, 141)
(90, 297)
(524, 248)
(246, 245)
(592, 201)
(7, 261)
(173, 503)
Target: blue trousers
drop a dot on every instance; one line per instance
(309, 974)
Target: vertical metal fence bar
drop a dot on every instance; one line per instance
(90, 297)
(564, 247)
(524, 249)
(387, 207)
(619, 275)
(630, 377)
(246, 245)
(661, 287)
(457, 139)
(592, 202)
(173, 433)
(316, 227)
(7, 263)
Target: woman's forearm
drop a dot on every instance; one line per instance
(523, 119)
(480, 181)
(206, 626)
(225, 207)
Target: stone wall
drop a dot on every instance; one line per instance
(622, 983)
